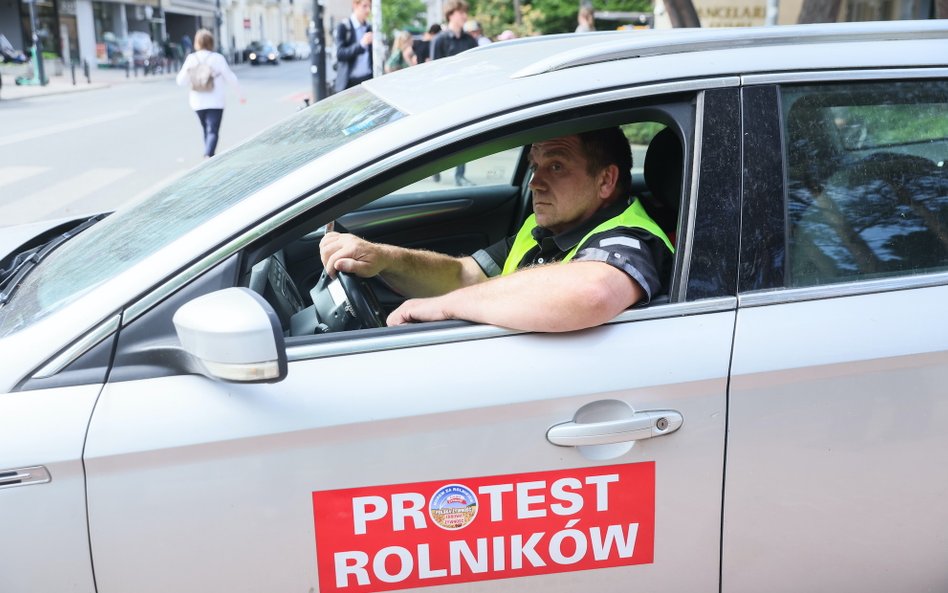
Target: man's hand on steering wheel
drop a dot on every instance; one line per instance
(343, 252)
(351, 260)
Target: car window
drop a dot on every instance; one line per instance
(867, 183)
(493, 169)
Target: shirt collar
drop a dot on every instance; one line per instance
(569, 239)
(355, 22)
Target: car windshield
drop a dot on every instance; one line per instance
(137, 230)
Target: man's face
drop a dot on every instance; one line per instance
(458, 18)
(362, 9)
(564, 193)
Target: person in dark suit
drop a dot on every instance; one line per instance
(450, 42)
(353, 39)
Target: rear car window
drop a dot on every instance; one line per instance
(867, 187)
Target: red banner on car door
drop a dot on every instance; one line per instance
(385, 538)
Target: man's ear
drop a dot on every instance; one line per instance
(608, 179)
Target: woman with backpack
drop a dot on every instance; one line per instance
(203, 72)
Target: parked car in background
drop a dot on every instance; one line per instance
(287, 51)
(188, 404)
(116, 51)
(145, 52)
(303, 50)
(267, 54)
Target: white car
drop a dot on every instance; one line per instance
(189, 406)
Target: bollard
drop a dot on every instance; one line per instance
(72, 70)
(85, 70)
(128, 70)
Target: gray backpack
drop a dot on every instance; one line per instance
(201, 77)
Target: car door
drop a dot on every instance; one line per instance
(834, 475)
(441, 454)
(42, 493)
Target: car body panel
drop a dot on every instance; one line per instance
(835, 444)
(45, 520)
(285, 441)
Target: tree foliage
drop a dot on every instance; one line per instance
(403, 15)
(542, 17)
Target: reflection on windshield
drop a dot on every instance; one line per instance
(135, 231)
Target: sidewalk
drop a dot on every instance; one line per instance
(99, 78)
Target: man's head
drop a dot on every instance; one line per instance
(575, 176)
(473, 28)
(361, 9)
(455, 11)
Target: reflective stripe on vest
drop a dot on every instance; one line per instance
(634, 216)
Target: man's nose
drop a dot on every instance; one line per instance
(536, 181)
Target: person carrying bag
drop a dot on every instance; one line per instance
(202, 72)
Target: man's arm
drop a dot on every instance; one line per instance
(437, 51)
(346, 52)
(549, 298)
(411, 272)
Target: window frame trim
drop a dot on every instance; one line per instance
(842, 289)
(816, 76)
(359, 343)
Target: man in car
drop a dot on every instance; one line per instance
(581, 258)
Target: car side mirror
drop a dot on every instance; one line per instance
(235, 334)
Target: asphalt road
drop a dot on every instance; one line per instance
(84, 152)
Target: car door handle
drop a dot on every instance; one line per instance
(641, 425)
(23, 476)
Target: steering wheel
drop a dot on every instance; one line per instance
(363, 304)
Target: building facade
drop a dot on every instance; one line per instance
(108, 32)
(750, 13)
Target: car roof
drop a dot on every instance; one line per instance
(654, 56)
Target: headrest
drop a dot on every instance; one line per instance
(664, 159)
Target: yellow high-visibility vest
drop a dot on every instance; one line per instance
(634, 216)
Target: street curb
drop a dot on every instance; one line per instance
(62, 87)
(56, 91)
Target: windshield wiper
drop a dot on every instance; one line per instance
(22, 263)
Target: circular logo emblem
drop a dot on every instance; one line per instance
(453, 507)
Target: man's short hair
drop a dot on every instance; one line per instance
(434, 29)
(452, 6)
(609, 146)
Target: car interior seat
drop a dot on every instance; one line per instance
(663, 175)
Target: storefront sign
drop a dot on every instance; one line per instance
(731, 13)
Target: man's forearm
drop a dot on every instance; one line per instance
(421, 273)
(551, 298)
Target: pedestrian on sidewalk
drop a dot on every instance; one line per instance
(451, 41)
(207, 97)
(402, 55)
(353, 39)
